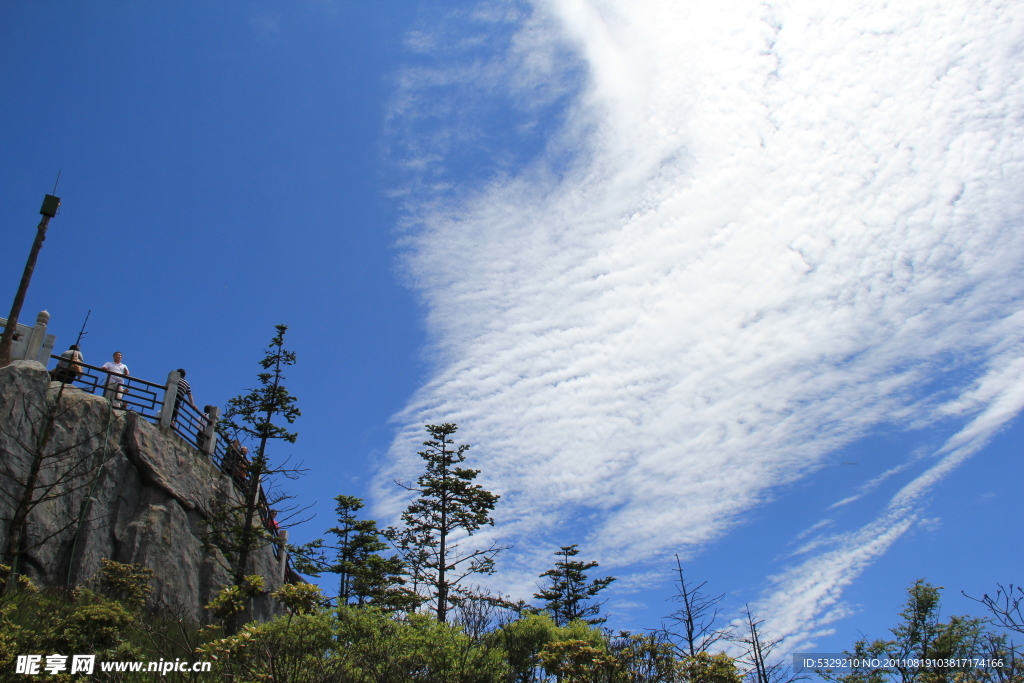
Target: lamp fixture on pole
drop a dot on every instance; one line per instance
(48, 211)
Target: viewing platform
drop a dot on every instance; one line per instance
(158, 403)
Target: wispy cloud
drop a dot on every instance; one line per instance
(807, 597)
(755, 232)
(873, 483)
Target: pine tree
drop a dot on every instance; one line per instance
(448, 504)
(358, 541)
(364, 576)
(253, 415)
(568, 597)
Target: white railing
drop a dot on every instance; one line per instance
(32, 343)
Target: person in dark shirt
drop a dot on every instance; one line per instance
(184, 391)
(241, 469)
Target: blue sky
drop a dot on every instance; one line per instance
(737, 283)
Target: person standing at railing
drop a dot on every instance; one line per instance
(241, 472)
(184, 391)
(236, 463)
(230, 460)
(116, 374)
(69, 366)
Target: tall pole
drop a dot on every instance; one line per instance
(49, 210)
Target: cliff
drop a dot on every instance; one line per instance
(111, 485)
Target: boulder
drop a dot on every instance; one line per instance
(116, 486)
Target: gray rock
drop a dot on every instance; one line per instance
(116, 487)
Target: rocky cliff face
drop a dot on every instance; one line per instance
(114, 486)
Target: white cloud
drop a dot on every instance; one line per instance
(806, 597)
(873, 483)
(786, 225)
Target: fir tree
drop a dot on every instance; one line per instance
(253, 415)
(568, 596)
(448, 504)
(364, 576)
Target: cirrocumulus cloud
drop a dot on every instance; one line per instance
(754, 233)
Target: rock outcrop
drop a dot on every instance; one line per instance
(113, 486)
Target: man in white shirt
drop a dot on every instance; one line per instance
(116, 374)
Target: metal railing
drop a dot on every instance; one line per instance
(147, 399)
(140, 396)
(124, 391)
(189, 423)
(232, 462)
(220, 454)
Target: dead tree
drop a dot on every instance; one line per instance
(762, 667)
(1006, 606)
(1007, 610)
(693, 627)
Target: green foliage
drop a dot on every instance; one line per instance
(252, 414)
(236, 528)
(365, 576)
(93, 624)
(307, 645)
(62, 621)
(448, 503)
(356, 646)
(708, 668)
(418, 648)
(921, 635)
(232, 600)
(525, 640)
(522, 640)
(568, 595)
(299, 598)
(577, 661)
(125, 583)
(644, 659)
(80, 621)
(582, 630)
(290, 648)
